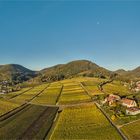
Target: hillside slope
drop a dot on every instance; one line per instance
(129, 75)
(74, 68)
(15, 73)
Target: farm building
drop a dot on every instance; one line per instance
(128, 102)
(132, 111)
(112, 98)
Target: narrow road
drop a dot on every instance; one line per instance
(64, 106)
(108, 118)
(119, 126)
(20, 93)
(112, 123)
(57, 100)
(86, 91)
(38, 93)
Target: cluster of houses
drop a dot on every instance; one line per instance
(137, 88)
(130, 104)
(5, 87)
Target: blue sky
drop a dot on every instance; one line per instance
(39, 34)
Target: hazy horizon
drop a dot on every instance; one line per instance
(40, 34)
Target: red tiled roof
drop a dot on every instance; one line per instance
(112, 97)
(133, 109)
(127, 101)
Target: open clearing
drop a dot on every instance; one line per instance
(84, 122)
(32, 122)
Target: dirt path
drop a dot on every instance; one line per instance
(21, 93)
(112, 123)
(38, 93)
(108, 118)
(57, 100)
(119, 126)
(86, 91)
(65, 106)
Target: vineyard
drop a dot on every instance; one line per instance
(132, 130)
(116, 88)
(58, 110)
(74, 123)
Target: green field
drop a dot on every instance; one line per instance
(73, 93)
(50, 95)
(32, 122)
(132, 130)
(84, 122)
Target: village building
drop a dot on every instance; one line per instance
(132, 111)
(128, 102)
(137, 89)
(112, 99)
(138, 84)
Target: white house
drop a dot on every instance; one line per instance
(132, 111)
(112, 98)
(128, 102)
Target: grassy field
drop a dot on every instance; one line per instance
(27, 96)
(73, 93)
(6, 106)
(74, 123)
(33, 122)
(132, 131)
(50, 95)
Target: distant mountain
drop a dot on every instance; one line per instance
(120, 71)
(135, 72)
(131, 74)
(74, 68)
(15, 73)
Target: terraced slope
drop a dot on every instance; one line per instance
(73, 93)
(93, 86)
